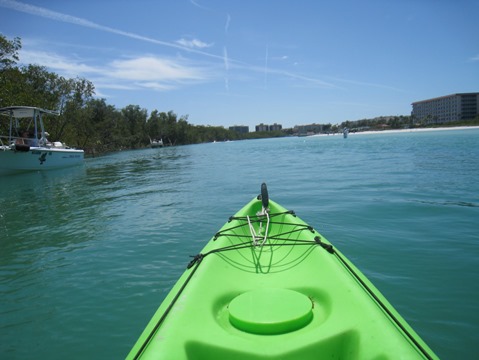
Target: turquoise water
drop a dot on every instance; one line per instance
(87, 254)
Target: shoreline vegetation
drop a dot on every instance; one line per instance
(90, 123)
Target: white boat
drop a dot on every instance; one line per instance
(156, 143)
(26, 147)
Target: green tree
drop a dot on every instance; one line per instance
(135, 121)
(153, 125)
(11, 86)
(182, 128)
(101, 129)
(10, 75)
(40, 87)
(9, 51)
(73, 97)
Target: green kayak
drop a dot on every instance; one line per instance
(268, 286)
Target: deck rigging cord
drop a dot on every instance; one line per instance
(257, 237)
(198, 258)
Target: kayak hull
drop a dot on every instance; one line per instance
(275, 289)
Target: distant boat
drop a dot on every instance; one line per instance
(345, 133)
(26, 147)
(156, 143)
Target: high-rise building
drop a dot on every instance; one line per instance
(275, 127)
(242, 129)
(444, 109)
(266, 127)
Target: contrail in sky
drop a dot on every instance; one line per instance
(227, 24)
(49, 14)
(227, 66)
(225, 58)
(266, 69)
(53, 15)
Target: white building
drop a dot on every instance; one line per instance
(444, 109)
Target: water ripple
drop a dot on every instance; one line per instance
(97, 248)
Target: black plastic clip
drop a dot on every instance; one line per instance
(196, 259)
(328, 247)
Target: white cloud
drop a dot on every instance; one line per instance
(474, 58)
(108, 84)
(156, 86)
(65, 66)
(150, 68)
(193, 43)
(150, 72)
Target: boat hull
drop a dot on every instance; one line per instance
(290, 296)
(36, 158)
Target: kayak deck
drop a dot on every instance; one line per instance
(267, 285)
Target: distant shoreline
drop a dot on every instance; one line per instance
(406, 130)
(415, 130)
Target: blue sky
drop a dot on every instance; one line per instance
(243, 62)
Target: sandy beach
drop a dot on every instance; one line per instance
(404, 130)
(415, 130)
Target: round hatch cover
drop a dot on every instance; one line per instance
(270, 311)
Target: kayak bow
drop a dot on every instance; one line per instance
(267, 285)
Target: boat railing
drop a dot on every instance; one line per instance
(7, 142)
